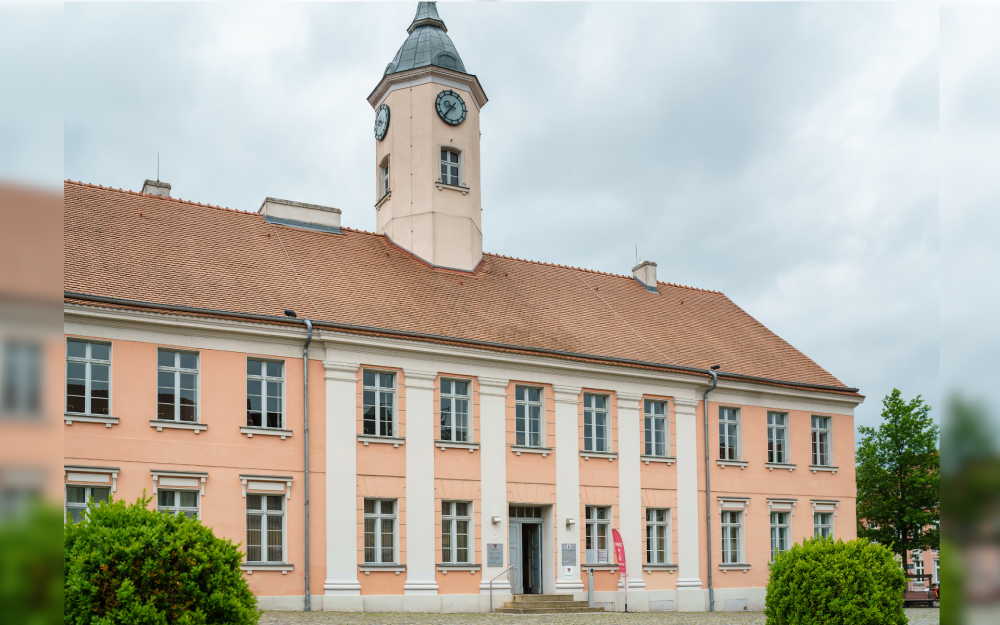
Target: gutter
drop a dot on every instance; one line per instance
(708, 493)
(305, 432)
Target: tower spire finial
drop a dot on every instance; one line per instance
(427, 14)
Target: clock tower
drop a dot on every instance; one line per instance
(427, 195)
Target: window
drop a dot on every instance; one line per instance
(178, 502)
(455, 411)
(265, 528)
(935, 570)
(729, 425)
(732, 525)
(265, 386)
(779, 533)
(78, 496)
(456, 518)
(598, 520)
(525, 512)
(821, 441)
(88, 377)
(777, 437)
(378, 403)
(22, 375)
(918, 563)
(380, 531)
(449, 167)
(176, 386)
(823, 524)
(657, 536)
(656, 428)
(383, 177)
(528, 416)
(595, 423)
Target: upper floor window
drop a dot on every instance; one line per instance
(178, 502)
(449, 167)
(379, 395)
(77, 498)
(455, 410)
(176, 386)
(657, 536)
(456, 519)
(596, 532)
(823, 524)
(729, 430)
(777, 437)
(265, 528)
(656, 428)
(380, 531)
(22, 378)
(265, 394)
(732, 530)
(595, 423)
(821, 441)
(383, 177)
(528, 416)
(88, 377)
(779, 533)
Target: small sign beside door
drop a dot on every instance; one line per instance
(494, 554)
(568, 554)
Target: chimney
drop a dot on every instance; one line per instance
(301, 215)
(645, 273)
(156, 187)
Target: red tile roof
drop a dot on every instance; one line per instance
(126, 245)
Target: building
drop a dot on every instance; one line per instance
(467, 411)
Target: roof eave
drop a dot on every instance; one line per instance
(428, 71)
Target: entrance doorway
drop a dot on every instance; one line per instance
(525, 525)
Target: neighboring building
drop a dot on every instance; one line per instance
(457, 400)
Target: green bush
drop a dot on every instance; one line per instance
(822, 581)
(127, 564)
(31, 566)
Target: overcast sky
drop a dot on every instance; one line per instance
(785, 154)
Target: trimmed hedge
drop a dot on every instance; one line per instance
(821, 581)
(127, 564)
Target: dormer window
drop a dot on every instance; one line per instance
(449, 167)
(383, 177)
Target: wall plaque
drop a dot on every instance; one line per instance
(494, 554)
(568, 554)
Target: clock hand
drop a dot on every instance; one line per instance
(451, 107)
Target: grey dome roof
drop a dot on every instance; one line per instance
(428, 44)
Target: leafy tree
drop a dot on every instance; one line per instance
(898, 476)
(31, 566)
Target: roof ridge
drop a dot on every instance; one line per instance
(159, 197)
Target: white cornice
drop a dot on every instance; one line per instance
(428, 73)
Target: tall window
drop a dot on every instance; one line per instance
(779, 533)
(88, 377)
(822, 524)
(78, 496)
(729, 428)
(178, 502)
(821, 441)
(598, 521)
(265, 528)
(379, 391)
(455, 410)
(936, 570)
(176, 386)
(918, 563)
(22, 378)
(383, 176)
(777, 437)
(656, 428)
(265, 386)
(380, 531)
(449, 167)
(595, 423)
(456, 518)
(657, 536)
(528, 416)
(731, 527)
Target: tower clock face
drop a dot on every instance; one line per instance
(381, 121)
(451, 107)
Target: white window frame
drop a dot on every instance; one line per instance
(661, 529)
(264, 379)
(177, 371)
(21, 378)
(383, 177)
(264, 514)
(590, 442)
(378, 516)
(452, 519)
(935, 570)
(177, 507)
(727, 523)
(458, 178)
(88, 495)
(814, 431)
(776, 526)
(456, 397)
(526, 403)
(724, 436)
(650, 419)
(381, 391)
(918, 562)
(817, 526)
(88, 361)
(591, 522)
(774, 429)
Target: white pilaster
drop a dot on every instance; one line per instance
(341, 586)
(630, 517)
(420, 566)
(568, 482)
(493, 484)
(690, 596)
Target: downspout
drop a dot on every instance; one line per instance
(305, 433)
(708, 494)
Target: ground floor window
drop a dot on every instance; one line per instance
(265, 528)
(598, 520)
(657, 536)
(78, 496)
(936, 570)
(380, 531)
(732, 527)
(918, 563)
(823, 525)
(779, 533)
(456, 519)
(178, 502)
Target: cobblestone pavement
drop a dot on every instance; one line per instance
(917, 616)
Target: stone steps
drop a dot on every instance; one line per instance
(546, 604)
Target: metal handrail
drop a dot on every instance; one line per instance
(491, 586)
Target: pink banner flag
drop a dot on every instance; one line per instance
(619, 551)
